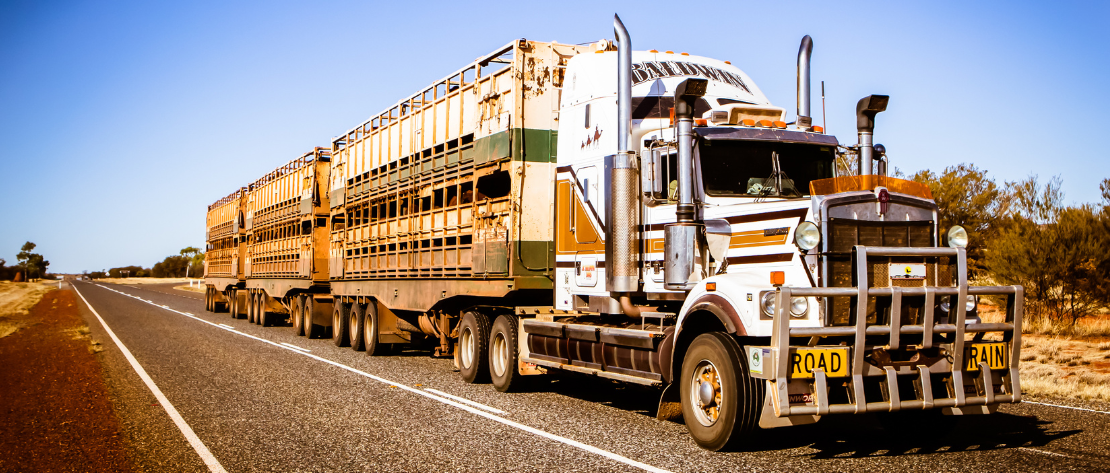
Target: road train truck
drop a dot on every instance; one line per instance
(647, 217)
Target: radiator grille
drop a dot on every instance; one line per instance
(844, 234)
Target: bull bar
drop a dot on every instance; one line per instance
(1011, 329)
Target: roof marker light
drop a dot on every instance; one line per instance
(818, 129)
(653, 50)
(779, 124)
(670, 52)
(765, 123)
(747, 122)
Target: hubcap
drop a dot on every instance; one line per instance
(705, 393)
(500, 352)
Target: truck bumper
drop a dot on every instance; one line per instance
(964, 370)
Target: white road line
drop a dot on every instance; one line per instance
(1044, 452)
(294, 346)
(205, 455)
(226, 325)
(472, 410)
(1064, 407)
(468, 401)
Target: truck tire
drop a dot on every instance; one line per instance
(297, 316)
(233, 304)
(721, 402)
(339, 316)
(356, 330)
(207, 299)
(473, 347)
(223, 306)
(504, 355)
(311, 330)
(249, 301)
(265, 318)
(371, 329)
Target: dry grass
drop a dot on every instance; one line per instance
(134, 281)
(1063, 362)
(16, 299)
(190, 288)
(1067, 369)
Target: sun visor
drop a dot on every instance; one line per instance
(764, 134)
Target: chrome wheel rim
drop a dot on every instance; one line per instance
(352, 326)
(466, 348)
(705, 393)
(499, 352)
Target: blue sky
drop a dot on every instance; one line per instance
(120, 121)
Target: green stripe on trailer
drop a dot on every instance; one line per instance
(525, 144)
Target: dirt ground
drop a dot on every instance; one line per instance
(55, 414)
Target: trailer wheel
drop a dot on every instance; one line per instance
(721, 402)
(248, 302)
(231, 303)
(265, 319)
(473, 347)
(207, 299)
(504, 354)
(370, 329)
(311, 330)
(355, 317)
(339, 326)
(297, 316)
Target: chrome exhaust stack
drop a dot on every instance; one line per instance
(805, 50)
(866, 110)
(622, 176)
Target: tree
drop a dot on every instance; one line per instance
(196, 260)
(33, 263)
(965, 196)
(1059, 254)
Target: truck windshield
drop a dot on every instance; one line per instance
(734, 168)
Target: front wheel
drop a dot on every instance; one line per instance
(721, 402)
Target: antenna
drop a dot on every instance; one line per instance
(823, 125)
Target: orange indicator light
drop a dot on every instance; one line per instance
(710, 286)
(778, 278)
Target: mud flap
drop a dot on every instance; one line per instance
(670, 404)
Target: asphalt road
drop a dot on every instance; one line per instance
(259, 405)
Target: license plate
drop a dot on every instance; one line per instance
(907, 271)
(833, 361)
(993, 354)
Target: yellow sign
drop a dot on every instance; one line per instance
(993, 354)
(833, 361)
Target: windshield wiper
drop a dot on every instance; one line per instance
(775, 180)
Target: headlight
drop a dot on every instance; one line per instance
(807, 236)
(767, 303)
(798, 306)
(970, 305)
(957, 237)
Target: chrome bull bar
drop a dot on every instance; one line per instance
(894, 329)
